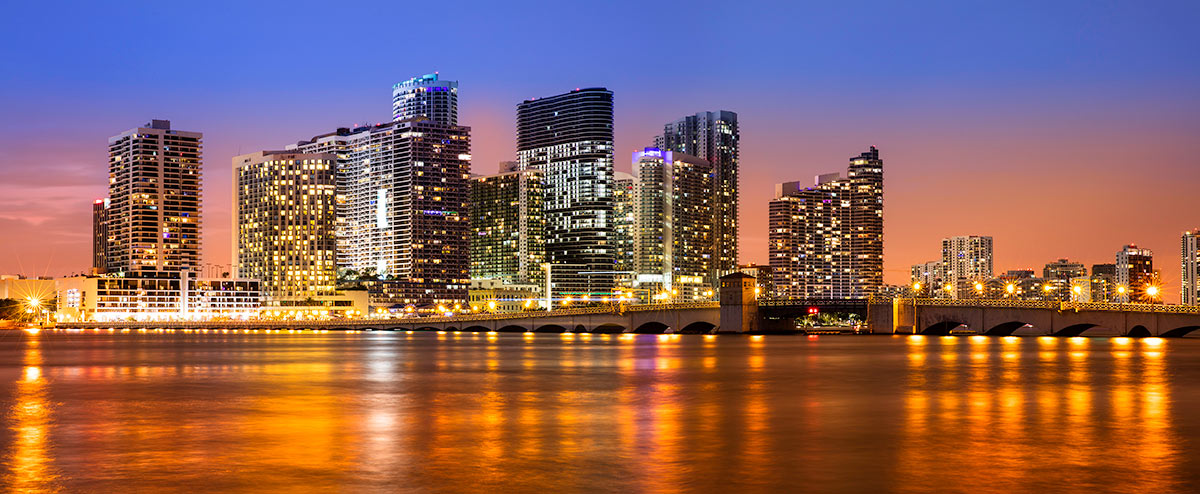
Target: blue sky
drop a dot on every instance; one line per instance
(1005, 109)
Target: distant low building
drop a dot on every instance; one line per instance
(488, 295)
(89, 298)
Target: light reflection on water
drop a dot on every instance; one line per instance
(465, 412)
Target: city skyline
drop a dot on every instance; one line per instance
(1000, 175)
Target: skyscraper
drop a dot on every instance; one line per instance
(283, 223)
(569, 137)
(1190, 264)
(826, 241)
(672, 238)
(154, 201)
(966, 260)
(624, 225)
(1135, 274)
(426, 96)
(714, 137)
(100, 234)
(508, 227)
(402, 191)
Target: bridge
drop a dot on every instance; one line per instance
(1003, 317)
(692, 317)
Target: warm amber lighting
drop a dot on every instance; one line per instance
(1010, 288)
(1152, 291)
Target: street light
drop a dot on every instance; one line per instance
(1151, 292)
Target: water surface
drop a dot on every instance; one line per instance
(423, 412)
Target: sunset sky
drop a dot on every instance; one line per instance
(1062, 130)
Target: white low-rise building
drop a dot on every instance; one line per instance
(86, 299)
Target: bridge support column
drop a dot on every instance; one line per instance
(739, 305)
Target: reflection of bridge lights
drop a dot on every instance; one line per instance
(1077, 340)
(978, 339)
(757, 337)
(32, 330)
(1048, 340)
(1010, 340)
(1153, 341)
(916, 339)
(949, 340)
(1121, 341)
(710, 337)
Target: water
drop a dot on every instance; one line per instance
(392, 412)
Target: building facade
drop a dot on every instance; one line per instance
(624, 227)
(402, 191)
(673, 233)
(153, 219)
(1189, 255)
(508, 227)
(966, 260)
(926, 278)
(284, 216)
(826, 241)
(1062, 275)
(426, 96)
(100, 235)
(1135, 274)
(569, 137)
(766, 279)
(90, 298)
(714, 137)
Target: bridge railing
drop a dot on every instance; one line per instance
(1057, 305)
(674, 306)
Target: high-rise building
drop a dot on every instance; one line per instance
(624, 225)
(929, 275)
(1062, 276)
(826, 241)
(966, 260)
(508, 227)
(154, 201)
(283, 223)
(714, 137)
(1190, 264)
(426, 96)
(673, 236)
(569, 137)
(100, 235)
(1135, 275)
(402, 190)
